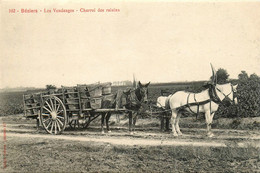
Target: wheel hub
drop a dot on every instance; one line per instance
(54, 115)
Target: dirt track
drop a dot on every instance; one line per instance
(232, 150)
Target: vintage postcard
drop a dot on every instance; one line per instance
(129, 86)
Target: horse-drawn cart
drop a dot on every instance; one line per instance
(75, 106)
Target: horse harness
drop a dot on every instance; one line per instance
(213, 98)
(131, 98)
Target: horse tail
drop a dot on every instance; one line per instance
(167, 102)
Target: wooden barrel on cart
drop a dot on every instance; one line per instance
(95, 93)
(106, 88)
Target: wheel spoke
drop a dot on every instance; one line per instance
(60, 117)
(58, 125)
(46, 120)
(51, 127)
(55, 105)
(53, 109)
(60, 121)
(46, 109)
(55, 127)
(59, 112)
(48, 105)
(48, 125)
(58, 108)
(45, 114)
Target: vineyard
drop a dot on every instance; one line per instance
(248, 97)
(11, 103)
(234, 148)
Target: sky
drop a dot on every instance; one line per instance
(156, 41)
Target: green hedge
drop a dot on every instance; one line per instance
(248, 94)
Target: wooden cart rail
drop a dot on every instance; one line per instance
(68, 105)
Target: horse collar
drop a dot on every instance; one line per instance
(213, 95)
(226, 96)
(132, 98)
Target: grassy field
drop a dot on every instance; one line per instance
(49, 155)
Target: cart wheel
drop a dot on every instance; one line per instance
(53, 115)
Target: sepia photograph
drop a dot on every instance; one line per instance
(130, 86)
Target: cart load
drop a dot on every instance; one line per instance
(56, 108)
(74, 98)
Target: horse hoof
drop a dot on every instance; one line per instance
(179, 133)
(210, 135)
(175, 134)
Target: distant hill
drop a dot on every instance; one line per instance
(179, 83)
(18, 89)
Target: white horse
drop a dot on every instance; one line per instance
(206, 102)
(165, 120)
(161, 101)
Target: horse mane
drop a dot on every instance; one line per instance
(207, 85)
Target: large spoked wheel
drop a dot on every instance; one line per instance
(53, 115)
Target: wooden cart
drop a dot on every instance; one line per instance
(76, 106)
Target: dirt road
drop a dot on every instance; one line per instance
(148, 150)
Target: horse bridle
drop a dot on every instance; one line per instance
(135, 98)
(226, 96)
(213, 97)
(141, 93)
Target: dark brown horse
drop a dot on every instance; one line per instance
(107, 104)
(132, 100)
